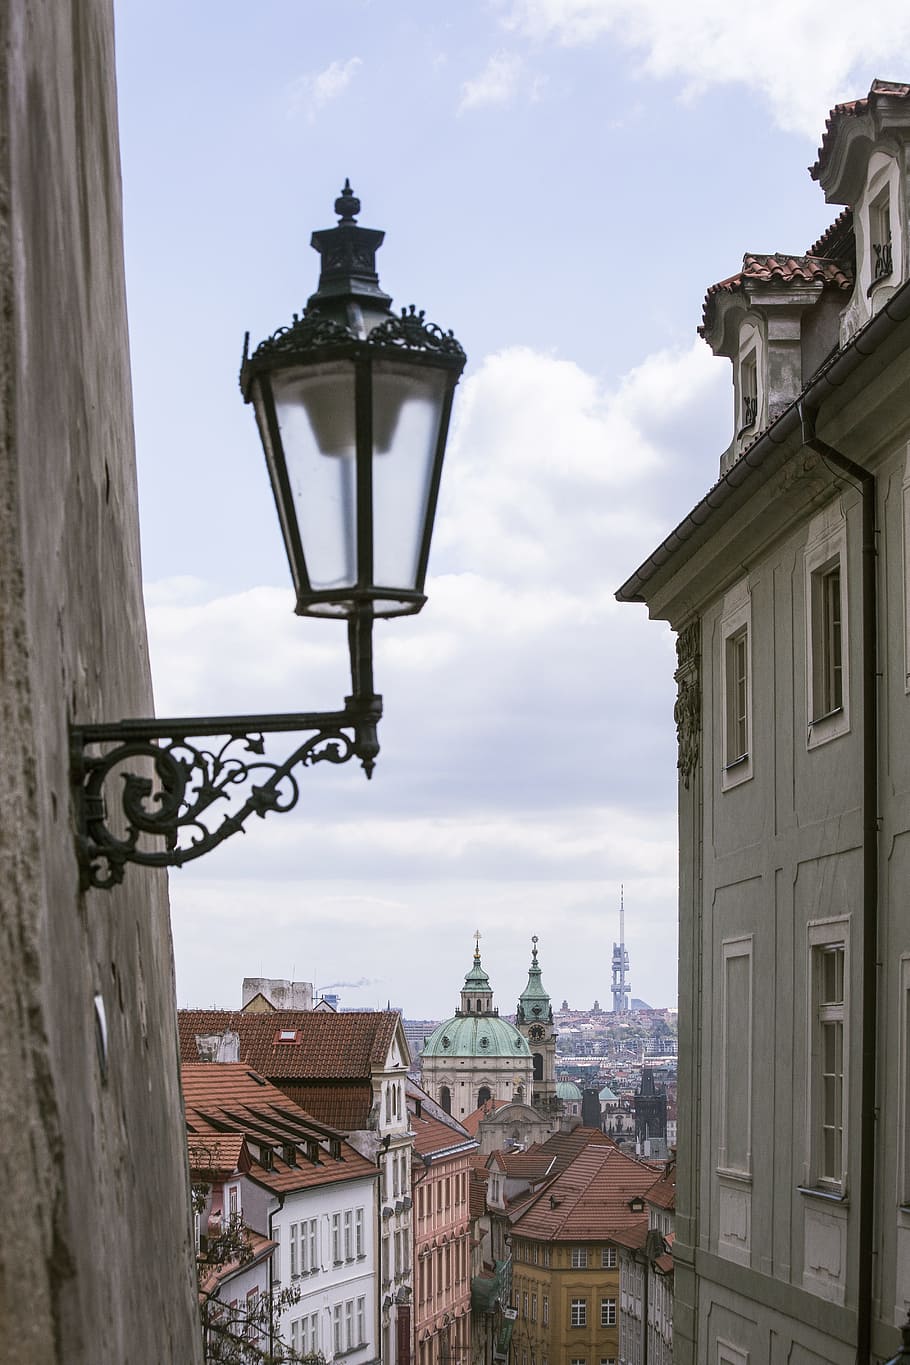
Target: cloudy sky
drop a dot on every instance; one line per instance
(559, 182)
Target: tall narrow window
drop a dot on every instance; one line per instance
(829, 986)
(882, 260)
(736, 1080)
(748, 381)
(737, 652)
(827, 642)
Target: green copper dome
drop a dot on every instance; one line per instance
(482, 1035)
(568, 1090)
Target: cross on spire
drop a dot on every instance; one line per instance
(477, 937)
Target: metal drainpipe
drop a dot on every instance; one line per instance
(280, 1199)
(869, 1010)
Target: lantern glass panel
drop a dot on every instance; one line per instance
(316, 417)
(407, 406)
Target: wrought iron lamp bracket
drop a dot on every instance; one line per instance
(169, 780)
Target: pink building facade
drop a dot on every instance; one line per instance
(443, 1153)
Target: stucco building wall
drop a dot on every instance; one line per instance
(101, 1240)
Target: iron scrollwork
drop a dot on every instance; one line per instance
(687, 710)
(169, 782)
(311, 330)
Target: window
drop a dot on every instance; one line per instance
(608, 1312)
(880, 235)
(579, 1360)
(579, 1258)
(608, 1258)
(349, 1234)
(828, 973)
(349, 1324)
(336, 1238)
(311, 1334)
(546, 1255)
(295, 1250)
(545, 1309)
(737, 652)
(533, 1307)
(736, 686)
(337, 1338)
(524, 1304)
(310, 1246)
(361, 1320)
(748, 391)
(358, 1234)
(578, 1313)
(826, 627)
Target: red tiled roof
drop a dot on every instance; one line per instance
(473, 1121)
(663, 1191)
(590, 1199)
(849, 109)
(836, 242)
(534, 1164)
(221, 1155)
(775, 270)
(328, 1046)
(346, 1106)
(477, 1194)
(256, 1250)
(228, 1098)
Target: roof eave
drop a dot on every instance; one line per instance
(757, 462)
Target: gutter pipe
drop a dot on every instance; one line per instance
(869, 1000)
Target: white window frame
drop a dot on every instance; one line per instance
(826, 552)
(824, 936)
(579, 1258)
(735, 626)
(608, 1258)
(608, 1312)
(882, 190)
(578, 1312)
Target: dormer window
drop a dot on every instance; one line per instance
(880, 235)
(748, 391)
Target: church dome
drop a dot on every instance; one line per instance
(483, 1035)
(568, 1091)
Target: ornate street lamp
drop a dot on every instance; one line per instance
(353, 405)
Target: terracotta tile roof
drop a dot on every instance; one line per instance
(590, 1199)
(327, 1046)
(221, 1157)
(258, 1248)
(850, 109)
(345, 1106)
(473, 1121)
(432, 1135)
(534, 1164)
(663, 1192)
(837, 241)
(775, 270)
(228, 1099)
(477, 1195)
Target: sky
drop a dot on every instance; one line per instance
(559, 182)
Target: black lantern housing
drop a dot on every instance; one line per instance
(353, 406)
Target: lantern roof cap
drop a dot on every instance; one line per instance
(348, 280)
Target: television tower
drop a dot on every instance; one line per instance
(621, 986)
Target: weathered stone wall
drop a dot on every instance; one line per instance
(95, 1259)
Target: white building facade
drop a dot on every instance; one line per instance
(789, 587)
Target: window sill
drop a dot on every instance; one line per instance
(728, 1173)
(735, 773)
(830, 726)
(831, 1196)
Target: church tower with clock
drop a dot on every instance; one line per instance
(534, 1021)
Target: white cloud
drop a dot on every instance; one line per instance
(512, 750)
(497, 84)
(310, 93)
(801, 55)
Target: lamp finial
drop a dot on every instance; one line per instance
(347, 205)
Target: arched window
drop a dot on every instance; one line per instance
(483, 1095)
(538, 1066)
(445, 1098)
(519, 1092)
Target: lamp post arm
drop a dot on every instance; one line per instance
(168, 781)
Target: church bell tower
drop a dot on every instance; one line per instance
(534, 1021)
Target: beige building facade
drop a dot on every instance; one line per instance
(789, 587)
